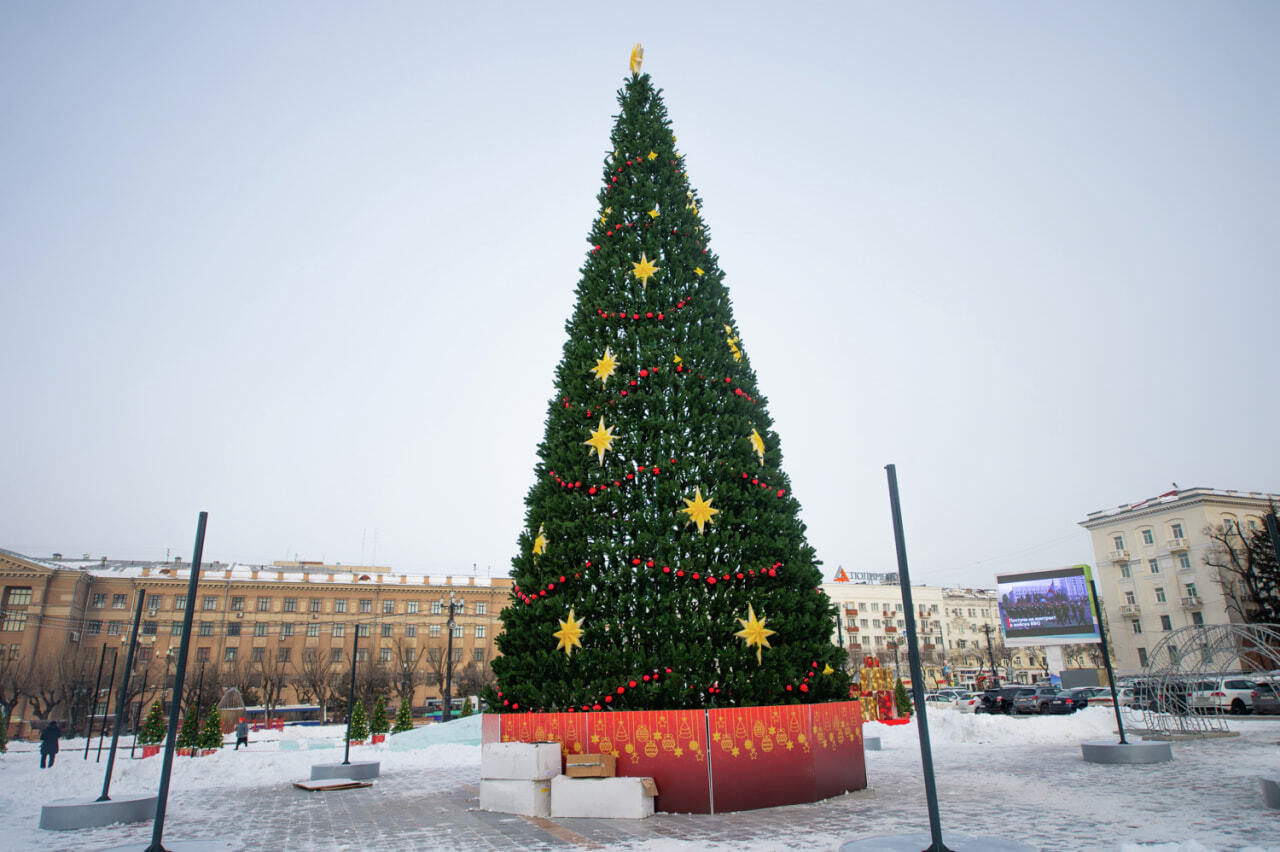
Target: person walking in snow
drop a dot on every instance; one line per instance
(49, 743)
(242, 734)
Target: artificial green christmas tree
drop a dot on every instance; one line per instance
(359, 724)
(902, 699)
(467, 709)
(153, 730)
(664, 564)
(211, 730)
(189, 734)
(378, 722)
(404, 719)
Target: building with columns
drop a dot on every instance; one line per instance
(1152, 561)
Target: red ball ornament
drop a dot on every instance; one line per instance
(739, 575)
(781, 491)
(788, 687)
(711, 581)
(695, 576)
(668, 671)
(624, 393)
(632, 684)
(608, 699)
(648, 315)
(649, 564)
(804, 687)
(660, 316)
(570, 709)
(595, 706)
(506, 703)
(772, 573)
(515, 706)
(680, 573)
(588, 563)
(726, 378)
(621, 689)
(635, 316)
(645, 679)
(666, 569)
(591, 490)
(656, 471)
(644, 374)
(633, 383)
(551, 587)
(561, 578)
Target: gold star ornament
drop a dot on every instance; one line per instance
(699, 510)
(827, 669)
(601, 440)
(605, 366)
(569, 634)
(754, 633)
(540, 543)
(637, 58)
(757, 444)
(644, 269)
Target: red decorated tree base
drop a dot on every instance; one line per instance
(712, 761)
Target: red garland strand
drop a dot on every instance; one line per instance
(529, 598)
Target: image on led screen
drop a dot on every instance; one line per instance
(1046, 607)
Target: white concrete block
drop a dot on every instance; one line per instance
(520, 761)
(526, 798)
(601, 798)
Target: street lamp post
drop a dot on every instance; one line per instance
(447, 711)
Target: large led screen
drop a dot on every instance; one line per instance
(1047, 607)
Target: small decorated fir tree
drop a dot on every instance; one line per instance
(189, 735)
(900, 697)
(378, 722)
(153, 730)
(467, 709)
(211, 730)
(359, 731)
(404, 719)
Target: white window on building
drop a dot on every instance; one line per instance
(384, 655)
(1137, 626)
(1176, 529)
(1124, 570)
(1166, 623)
(480, 631)
(1184, 561)
(1142, 657)
(339, 630)
(457, 631)
(482, 608)
(1191, 590)
(100, 600)
(436, 607)
(1148, 538)
(412, 608)
(1154, 565)
(388, 607)
(287, 629)
(1160, 594)
(1129, 599)
(411, 630)
(312, 629)
(340, 606)
(120, 601)
(1118, 541)
(433, 630)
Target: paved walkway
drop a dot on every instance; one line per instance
(1042, 795)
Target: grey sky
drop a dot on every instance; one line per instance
(307, 265)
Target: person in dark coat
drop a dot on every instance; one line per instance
(242, 734)
(49, 743)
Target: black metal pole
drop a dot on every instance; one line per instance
(351, 695)
(102, 732)
(991, 657)
(195, 748)
(97, 682)
(1106, 659)
(917, 676)
(137, 718)
(123, 703)
(446, 712)
(162, 799)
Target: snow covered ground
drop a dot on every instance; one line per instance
(1019, 778)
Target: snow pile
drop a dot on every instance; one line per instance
(463, 732)
(953, 728)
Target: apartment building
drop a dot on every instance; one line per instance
(61, 612)
(1152, 565)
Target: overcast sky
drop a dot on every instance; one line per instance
(307, 265)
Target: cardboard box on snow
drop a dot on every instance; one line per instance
(590, 766)
(526, 798)
(602, 798)
(520, 761)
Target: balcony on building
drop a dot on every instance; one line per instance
(1130, 609)
(1176, 544)
(1191, 602)
(1119, 556)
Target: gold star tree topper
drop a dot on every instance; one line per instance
(699, 510)
(601, 439)
(637, 58)
(605, 367)
(755, 633)
(644, 269)
(569, 634)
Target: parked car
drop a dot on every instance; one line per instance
(1266, 699)
(999, 699)
(1034, 699)
(970, 704)
(1061, 703)
(1083, 695)
(1102, 698)
(941, 699)
(1231, 694)
(1162, 696)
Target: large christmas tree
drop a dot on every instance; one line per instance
(664, 564)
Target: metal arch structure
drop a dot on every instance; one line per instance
(1192, 654)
